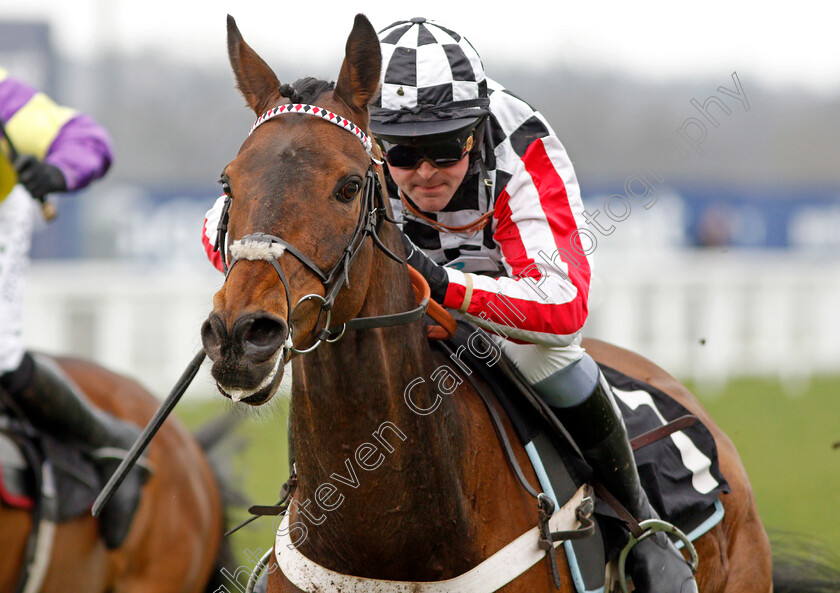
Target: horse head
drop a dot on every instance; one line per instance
(297, 216)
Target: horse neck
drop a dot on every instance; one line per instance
(404, 510)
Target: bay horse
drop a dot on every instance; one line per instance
(442, 496)
(175, 544)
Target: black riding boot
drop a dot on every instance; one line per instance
(596, 425)
(51, 402)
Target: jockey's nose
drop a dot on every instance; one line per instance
(426, 170)
(255, 336)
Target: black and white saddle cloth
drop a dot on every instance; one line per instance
(679, 472)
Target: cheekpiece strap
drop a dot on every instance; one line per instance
(324, 114)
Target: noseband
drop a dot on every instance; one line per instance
(372, 214)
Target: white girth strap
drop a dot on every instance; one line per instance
(491, 575)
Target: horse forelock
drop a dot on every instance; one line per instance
(309, 89)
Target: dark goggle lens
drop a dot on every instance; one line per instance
(409, 157)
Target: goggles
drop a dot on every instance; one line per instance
(441, 154)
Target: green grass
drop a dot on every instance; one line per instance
(787, 444)
(790, 447)
(258, 469)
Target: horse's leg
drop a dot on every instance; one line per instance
(735, 555)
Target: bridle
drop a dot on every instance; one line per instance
(372, 214)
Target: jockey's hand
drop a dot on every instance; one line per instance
(39, 178)
(434, 274)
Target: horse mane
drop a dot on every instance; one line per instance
(306, 90)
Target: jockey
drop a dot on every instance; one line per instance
(492, 217)
(46, 148)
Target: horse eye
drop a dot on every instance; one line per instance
(349, 190)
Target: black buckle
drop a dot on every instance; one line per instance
(583, 513)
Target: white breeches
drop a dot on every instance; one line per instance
(564, 376)
(537, 361)
(17, 217)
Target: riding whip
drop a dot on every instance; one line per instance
(146, 436)
(47, 208)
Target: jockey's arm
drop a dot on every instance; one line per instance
(56, 136)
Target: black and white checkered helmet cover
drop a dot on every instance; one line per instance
(425, 63)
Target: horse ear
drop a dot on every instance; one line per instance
(254, 79)
(358, 80)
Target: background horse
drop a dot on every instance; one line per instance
(175, 544)
(401, 495)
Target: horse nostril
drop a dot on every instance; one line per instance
(264, 331)
(212, 336)
(263, 337)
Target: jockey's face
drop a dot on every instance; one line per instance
(429, 186)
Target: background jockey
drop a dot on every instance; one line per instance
(48, 148)
(492, 214)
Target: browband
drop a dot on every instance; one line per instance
(325, 114)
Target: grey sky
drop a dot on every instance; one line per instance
(659, 39)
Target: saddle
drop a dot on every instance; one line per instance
(678, 470)
(37, 471)
(52, 480)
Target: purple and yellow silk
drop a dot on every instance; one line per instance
(60, 136)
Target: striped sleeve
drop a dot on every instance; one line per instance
(208, 233)
(539, 217)
(58, 135)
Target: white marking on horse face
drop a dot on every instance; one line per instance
(238, 395)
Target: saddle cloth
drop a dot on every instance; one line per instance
(680, 473)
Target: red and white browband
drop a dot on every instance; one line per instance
(324, 114)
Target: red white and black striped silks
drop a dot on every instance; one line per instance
(539, 289)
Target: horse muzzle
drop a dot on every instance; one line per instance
(248, 357)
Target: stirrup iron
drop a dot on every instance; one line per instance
(650, 527)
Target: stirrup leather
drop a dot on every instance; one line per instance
(583, 513)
